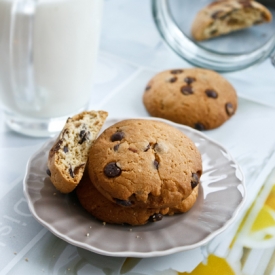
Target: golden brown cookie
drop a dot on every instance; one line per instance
(185, 204)
(107, 211)
(144, 163)
(103, 209)
(196, 97)
(225, 16)
(68, 156)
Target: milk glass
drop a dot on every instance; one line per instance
(48, 51)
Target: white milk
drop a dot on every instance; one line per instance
(46, 71)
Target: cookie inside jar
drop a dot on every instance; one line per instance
(229, 24)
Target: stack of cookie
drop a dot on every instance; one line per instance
(138, 171)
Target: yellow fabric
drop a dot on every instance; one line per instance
(214, 266)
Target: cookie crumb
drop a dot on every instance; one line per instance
(104, 223)
(26, 259)
(137, 236)
(87, 234)
(15, 253)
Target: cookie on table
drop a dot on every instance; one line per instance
(68, 156)
(107, 211)
(225, 16)
(199, 98)
(144, 163)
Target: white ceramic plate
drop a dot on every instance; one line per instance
(222, 193)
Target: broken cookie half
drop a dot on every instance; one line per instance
(68, 156)
(225, 16)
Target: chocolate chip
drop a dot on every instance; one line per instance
(148, 87)
(82, 139)
(71, 172)
(199, 126)
(156, 164)
(132, 150)
(116, 147)
(65, 149)
(187, 90)
(117, 136)
(211, 93)
(147, 148)
(111, 170)
(173, 79)
(176, 71)
(48, 172)
(156, 217)
(123, 202)
(195, 180)
(189, 80)
(229, 108)
(84, 135)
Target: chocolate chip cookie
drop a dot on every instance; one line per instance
(185, 204)
(68, 156)
(199, 98)
(107, 211)
(225, 16)
(144, 163)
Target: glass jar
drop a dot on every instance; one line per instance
(232, 52)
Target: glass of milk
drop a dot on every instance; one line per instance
(48, 51)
